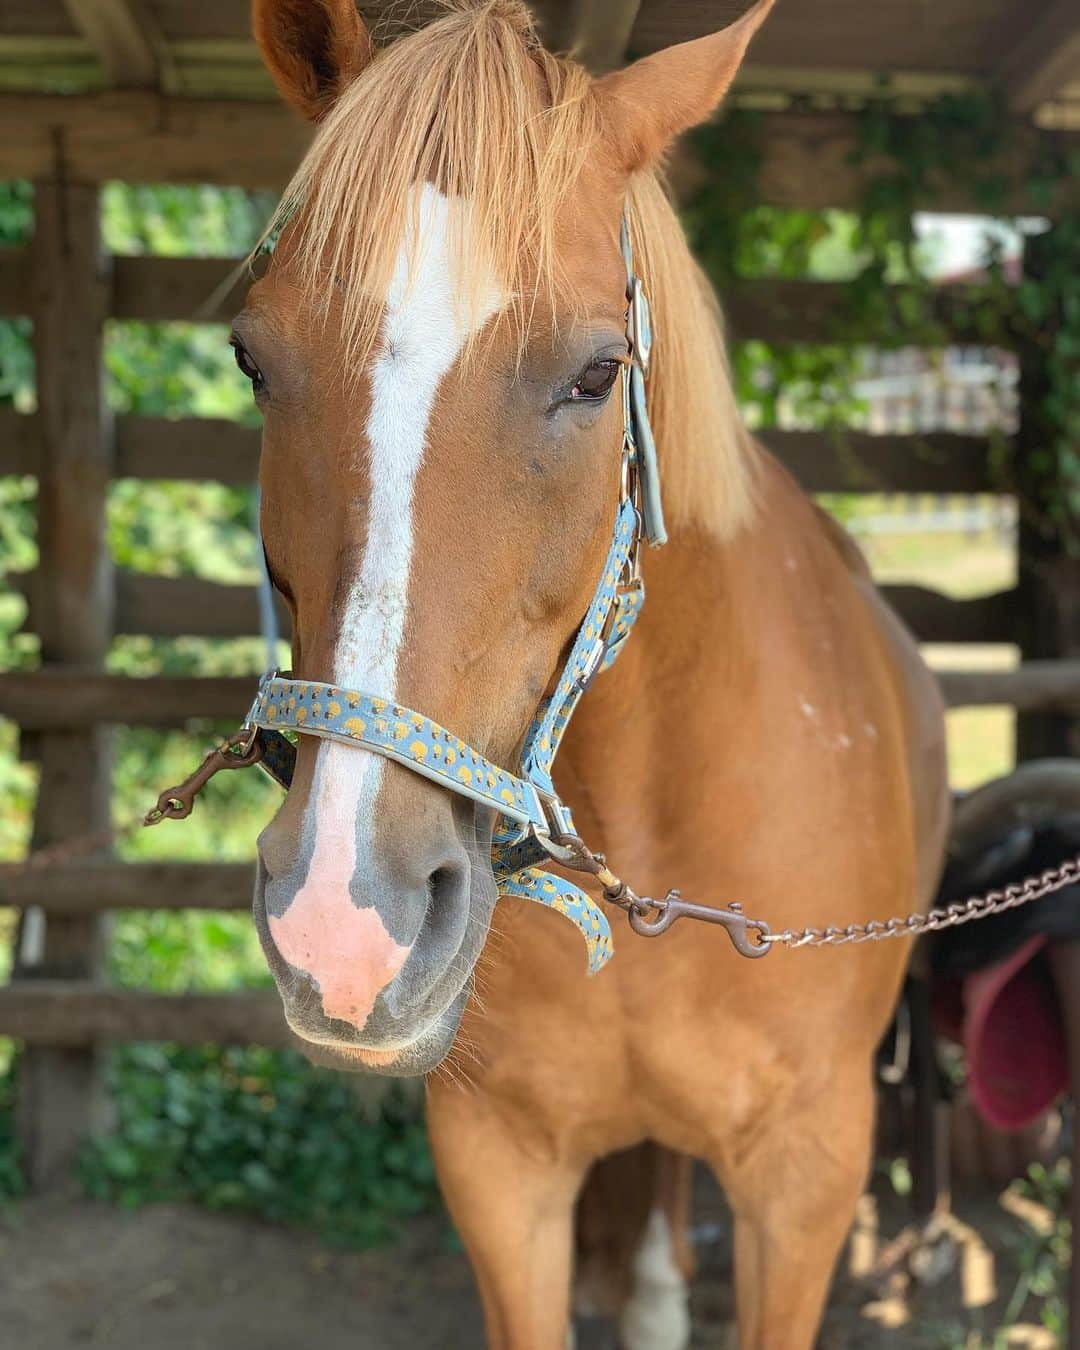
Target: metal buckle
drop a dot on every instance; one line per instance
(641, 335)
(602, 645)
(595, 659)
(239, 751)
(629, 444)
(560, 825)
(674, 907)
(627, 474)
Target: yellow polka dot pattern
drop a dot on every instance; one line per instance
(399, 733)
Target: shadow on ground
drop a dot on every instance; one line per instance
(75, 1273)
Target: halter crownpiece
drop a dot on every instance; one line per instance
(533, 825)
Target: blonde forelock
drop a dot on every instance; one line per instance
(473, 104)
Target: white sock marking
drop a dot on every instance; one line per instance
(656, 1316)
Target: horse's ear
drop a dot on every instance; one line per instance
(312, 48)
(650, 102)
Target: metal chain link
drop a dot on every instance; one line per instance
(951, 916)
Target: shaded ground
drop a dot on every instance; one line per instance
(77, 1273)
(171, 1277)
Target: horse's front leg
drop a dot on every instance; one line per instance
(794, 1194)
(512, 1201)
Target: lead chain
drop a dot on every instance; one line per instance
(950, 916)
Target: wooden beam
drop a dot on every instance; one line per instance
(59, 698)
(191, 449)
(120, 34)
(1048, 581)
(90, 887)
(210, 449)
(73, 426)
(147, 138)
(20, 442)
(856, 461)
(70, 1015)
(172, 606)
(205, 290)
(200, 449)
(14, 281)
(597, 32)
(850, 82)
(52, 700)
(1046, 58)
(934, 617)
(780, 312)
(806, 157)
(59, 1089)
(1036, 686)
(189, 606)
(773, 310)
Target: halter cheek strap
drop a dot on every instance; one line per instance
(531, 819)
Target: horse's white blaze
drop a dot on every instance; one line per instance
(423, 333)
(656, 1316)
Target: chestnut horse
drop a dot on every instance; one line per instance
(436, 350)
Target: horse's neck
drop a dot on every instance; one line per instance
(685, 660)
(720, 647)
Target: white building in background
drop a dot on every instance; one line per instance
(971, 390)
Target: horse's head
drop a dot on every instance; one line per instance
(434, 349)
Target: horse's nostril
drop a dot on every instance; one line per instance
(447, 900)
(438, 939)
(442, 881)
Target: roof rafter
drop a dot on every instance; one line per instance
(1046, 59)
(124, 38)
(596, 31)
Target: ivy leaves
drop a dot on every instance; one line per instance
(906, 162)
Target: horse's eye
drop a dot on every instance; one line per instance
(246, 364)
(596, 381)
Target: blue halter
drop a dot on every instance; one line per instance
(531, 818)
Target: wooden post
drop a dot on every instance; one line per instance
(58, 1088)
(1049, 578)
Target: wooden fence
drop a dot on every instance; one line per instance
(77, 600)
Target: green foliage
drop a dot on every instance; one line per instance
(183, 529)
(1044, 1256)
(16, 212)
(261, 1131)
(11, 1181)
(16, 359)
(177, 221)
(904, 162)
(178, 951)
(734, 238)
(175, 370)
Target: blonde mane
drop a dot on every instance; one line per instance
(474, 104)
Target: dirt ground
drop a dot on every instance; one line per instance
(78, 1273)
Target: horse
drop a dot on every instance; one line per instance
(437, 347)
